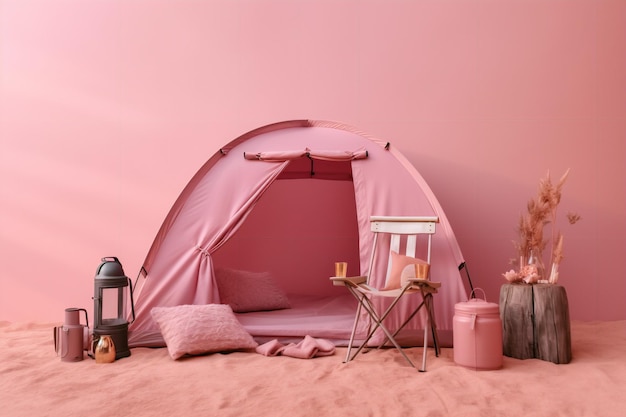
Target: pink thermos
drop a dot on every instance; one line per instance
(71, 339)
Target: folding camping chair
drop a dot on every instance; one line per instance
(410, 234)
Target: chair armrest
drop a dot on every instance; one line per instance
(424, 284)
(348, 281)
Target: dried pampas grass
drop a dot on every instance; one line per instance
(541, 212)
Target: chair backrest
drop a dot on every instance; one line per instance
(406, 235)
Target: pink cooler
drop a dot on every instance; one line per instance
(477, 334)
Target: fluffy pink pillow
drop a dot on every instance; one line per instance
(198, 329)
(247, 291)
(398, 264)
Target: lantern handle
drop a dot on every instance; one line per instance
(132, 301)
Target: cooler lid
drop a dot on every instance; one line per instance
(477, 306)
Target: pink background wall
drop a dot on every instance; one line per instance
(109, 107)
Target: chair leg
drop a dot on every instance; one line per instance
(407, 320)
(378, 322)
(364, 302)
(425, 351)
(427, 303)
(354, 327)
(430, 324)
(391, 337)
(430, 308)
(397, 345)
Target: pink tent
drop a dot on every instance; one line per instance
(289, 199)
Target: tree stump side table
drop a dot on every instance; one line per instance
(535, 322)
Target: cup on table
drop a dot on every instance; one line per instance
(421, 270)
(341, 269)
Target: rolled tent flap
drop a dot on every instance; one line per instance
(281, 156)
(277, 156)
(338, 155)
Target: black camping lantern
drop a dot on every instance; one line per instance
(111, 287)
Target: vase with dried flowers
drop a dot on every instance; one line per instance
(541, 213)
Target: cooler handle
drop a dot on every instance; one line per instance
(474, 295)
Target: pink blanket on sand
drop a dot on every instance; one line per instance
(308, 348)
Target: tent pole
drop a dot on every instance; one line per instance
(469, 279)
